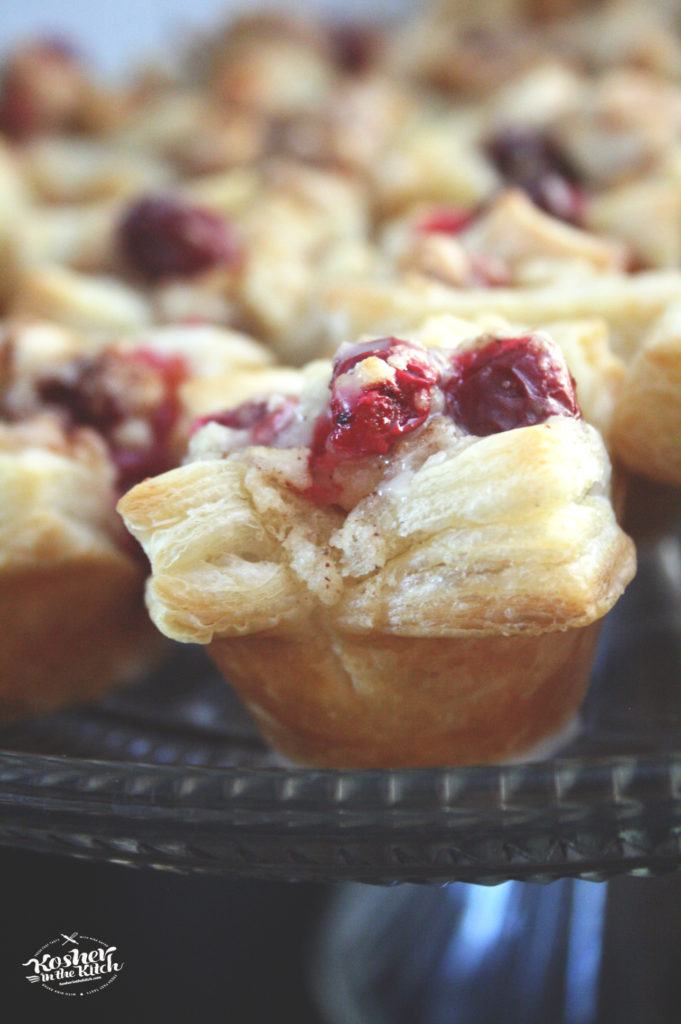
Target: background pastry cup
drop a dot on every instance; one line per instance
(334, 699)
(646, 430)
(70, 633)
(74, 624)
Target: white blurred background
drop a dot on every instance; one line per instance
(113, 33)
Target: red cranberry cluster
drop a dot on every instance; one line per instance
(368, 421)
(113, 387)
(503, 384)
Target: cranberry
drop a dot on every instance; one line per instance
(84, 397)
(19, 116)
(368, 418)
(354, 47)
(534, 164)
(243, 417)
(560, 198)
(164, 237)
(109, 389)
(264, 419)
(489, 271)
(446, 220)
(509, 383)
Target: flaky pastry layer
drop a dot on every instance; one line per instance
(511, 533)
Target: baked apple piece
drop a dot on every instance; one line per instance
(405, 562)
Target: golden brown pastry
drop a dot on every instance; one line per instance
(405, 562)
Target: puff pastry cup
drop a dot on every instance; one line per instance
(403, 564)
(646, 428)
(71, 588)
(79, 424)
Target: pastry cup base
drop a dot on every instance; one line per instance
(329, 699)
(71, 632)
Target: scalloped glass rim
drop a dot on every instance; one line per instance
(585, 817)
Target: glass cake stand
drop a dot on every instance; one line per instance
(171, 774)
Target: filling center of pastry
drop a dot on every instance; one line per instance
(392, 403)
